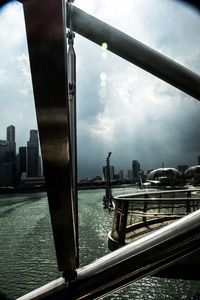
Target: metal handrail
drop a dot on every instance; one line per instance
(125, 265)
(135, 196)
(156, 199)
(154, 207)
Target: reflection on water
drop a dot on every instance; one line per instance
(27, 251)
(28, 260)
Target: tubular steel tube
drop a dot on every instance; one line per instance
(134, 51)
(125, 265)
(46, 36)
(71, 58)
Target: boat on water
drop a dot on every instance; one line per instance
(137, 215)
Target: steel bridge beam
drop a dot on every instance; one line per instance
(133, 51)
(46, 36)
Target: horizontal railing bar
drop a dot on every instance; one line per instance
(173, 192)
(145, 256)
(134, 51)
(167, 191)
(153, 200)
(156, 214)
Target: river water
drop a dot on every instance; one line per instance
(27, 254)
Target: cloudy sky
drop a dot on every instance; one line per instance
(121, 108)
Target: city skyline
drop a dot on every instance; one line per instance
(135, 166)
(120, 108)
(21, 163)
(31, 154)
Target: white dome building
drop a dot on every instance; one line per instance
(193, 172)
(163, 172)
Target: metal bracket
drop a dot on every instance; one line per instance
(72, 84)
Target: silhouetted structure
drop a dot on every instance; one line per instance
(22, 160)
(107, 199)
(33, 154)
(136, 170)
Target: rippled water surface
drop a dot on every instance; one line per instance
(28, 259)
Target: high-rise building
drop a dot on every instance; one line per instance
(33, 154)
(3, 150)
(136, 170)
(22, 160)
(11, 139)
(11, 133)
(8, 158)
(129, 175)
(34, 136)
(198, 160)
(6, 174)
(121, 175)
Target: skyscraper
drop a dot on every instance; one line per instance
(33, 154)
(8, 168)
(129, 175)
(10, 133)
(22, 160)
(121, 175)
(3, 150)
(136, 170)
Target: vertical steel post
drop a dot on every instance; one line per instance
(46, 35)
(71, 59)
(123, 222)
(144, 219)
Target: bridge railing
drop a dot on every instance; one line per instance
(138, 214)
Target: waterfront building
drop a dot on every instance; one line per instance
(142, 175)
(33, 154)
(162, 172)
(136, 170)
(8, 158)
(6, 174)
(3, 150)
(182, 168)
(31, 182)
(121, 175)
(129, 175)
(116, 176)
(22, 160)
(10, 134)
(193, 173)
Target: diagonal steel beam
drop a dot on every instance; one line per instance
(132, 50)
(46, 36)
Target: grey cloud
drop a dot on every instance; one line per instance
(149, 120)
